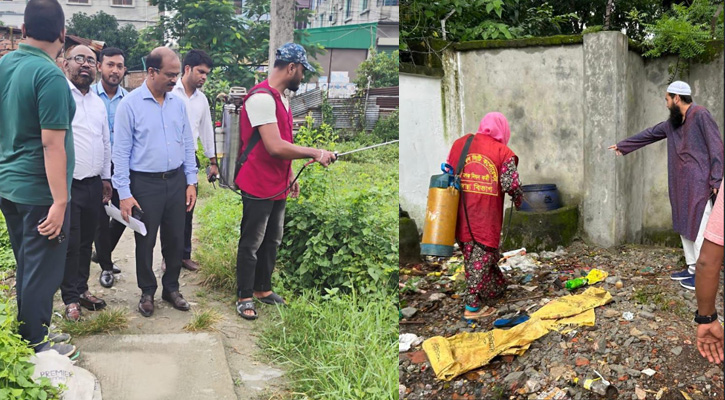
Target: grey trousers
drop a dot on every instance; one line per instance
(260, 236)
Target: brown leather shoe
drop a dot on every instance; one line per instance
(176, 300)
(146, 305)
(190, 265)
(73, 312)
(92, 302)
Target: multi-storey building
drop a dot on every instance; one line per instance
(138, 13)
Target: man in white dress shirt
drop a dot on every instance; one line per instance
(91, 180)
(197, 65)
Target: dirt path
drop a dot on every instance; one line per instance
(251, 377)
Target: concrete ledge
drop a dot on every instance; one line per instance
(541, 230)
(661, 237)
(413, 69)
(518, 43)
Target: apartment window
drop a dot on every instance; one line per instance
(387, 2)
(348, 8)
(238, 6)
(126, 3)
(85, 2)
(364, 5)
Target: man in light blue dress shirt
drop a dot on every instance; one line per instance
(155, 172)
(111, 67)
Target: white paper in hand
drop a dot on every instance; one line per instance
(132, 223)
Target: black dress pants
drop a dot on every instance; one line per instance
(162, 198)
(40, 266)
(86, 195)
(108, 234)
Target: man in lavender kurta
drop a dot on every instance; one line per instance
(694, 167)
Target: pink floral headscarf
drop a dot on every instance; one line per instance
(496, 126)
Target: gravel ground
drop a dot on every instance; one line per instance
(659, 340)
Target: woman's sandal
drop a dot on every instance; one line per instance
(246, 305)
(483, 312)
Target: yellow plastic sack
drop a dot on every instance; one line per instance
(451, 357)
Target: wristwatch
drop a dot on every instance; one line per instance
(705, 319)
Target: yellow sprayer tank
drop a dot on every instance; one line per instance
(439, 231)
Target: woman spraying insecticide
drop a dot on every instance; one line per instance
(488, 173)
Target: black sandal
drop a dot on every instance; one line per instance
(272, 299)
(246, 305)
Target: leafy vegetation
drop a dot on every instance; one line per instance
(662, 27)
(7, 258)
(336, 346)
(15, 367)
(380, 69)
(203, 321)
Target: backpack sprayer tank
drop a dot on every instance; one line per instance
(439, 231)
(228, 137)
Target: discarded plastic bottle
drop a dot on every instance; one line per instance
(572, 284)
(598, 386)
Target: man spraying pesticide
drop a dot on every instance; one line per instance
(261, 169)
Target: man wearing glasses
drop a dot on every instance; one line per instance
(36, 166)
(88, 191)
(112, 69)
(155, 171)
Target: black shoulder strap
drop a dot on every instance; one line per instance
(255, 133)
(464, 154)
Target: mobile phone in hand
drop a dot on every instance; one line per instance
(136, 213)
(61, 236)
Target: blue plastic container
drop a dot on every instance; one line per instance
(540, 198)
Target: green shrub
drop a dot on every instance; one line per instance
(342, 230)
(336, 346)
(15, 367)
(7, 258)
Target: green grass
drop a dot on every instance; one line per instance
(336, 347)
(7, 259)
(203, 321)
(106, 321)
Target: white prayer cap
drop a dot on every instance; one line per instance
(679, 87)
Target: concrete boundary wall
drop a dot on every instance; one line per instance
(566, 104)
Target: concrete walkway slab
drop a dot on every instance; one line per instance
(159, 367)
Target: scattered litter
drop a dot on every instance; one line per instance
(553, 394)
(685, 395)
(641, 394)
(517, 259)
(508, 254)
(619, 285)
(401, 391)
(529, 288)
(408, 340)
(627, 315)
(661, 392)
(559, 252)
(527, 278)
(80, 384)
(649, 372)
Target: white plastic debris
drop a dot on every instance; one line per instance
(649, 372)
(628, 316)
(437, 296)
(508, 254)
(559, 252)
(517, 259)
(80, 383)
(408, 340)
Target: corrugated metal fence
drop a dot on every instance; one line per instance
(377, 104)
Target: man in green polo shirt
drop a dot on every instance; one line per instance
(36, 166)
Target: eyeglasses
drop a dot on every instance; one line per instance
(82, 59)
(168, 74)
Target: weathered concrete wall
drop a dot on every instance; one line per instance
(566, 104)
(424, 147)
(533, 88)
